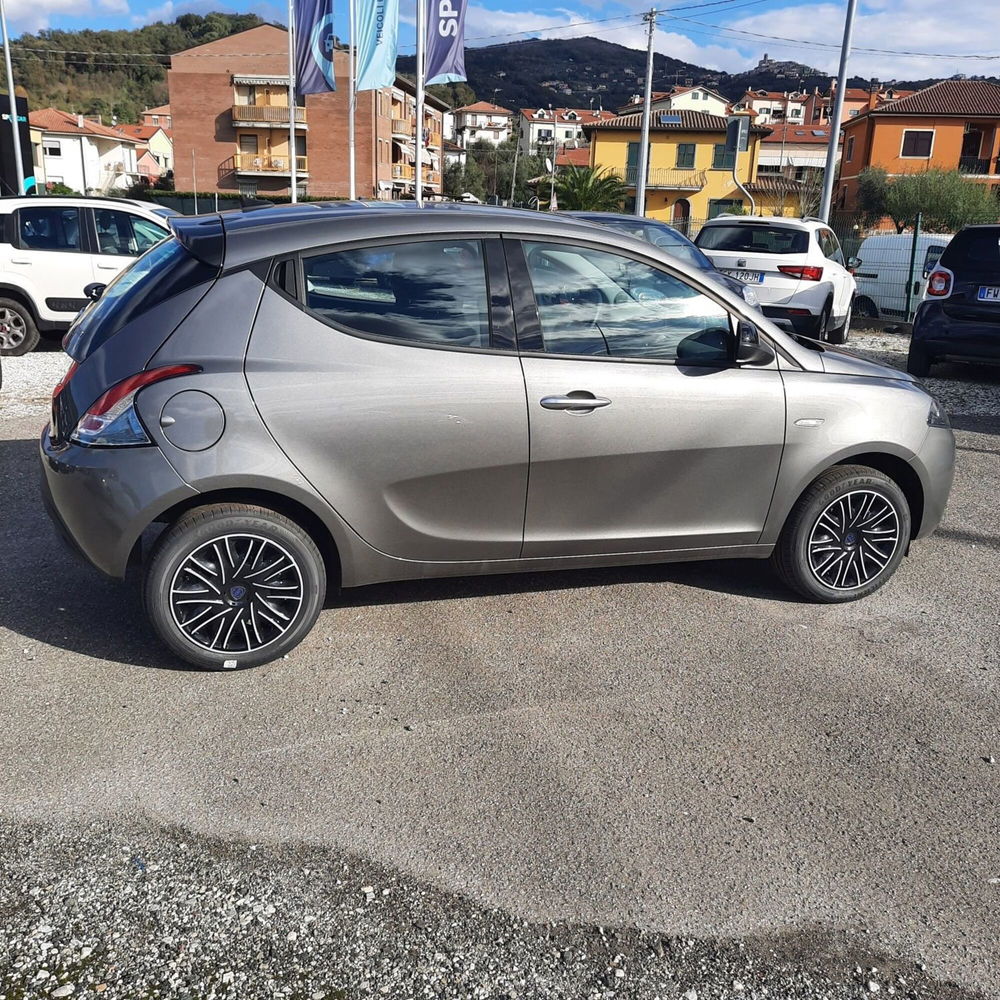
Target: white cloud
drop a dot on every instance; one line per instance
(113, 6)
(32, 15)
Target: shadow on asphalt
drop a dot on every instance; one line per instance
(48, 594)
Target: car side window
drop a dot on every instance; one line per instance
(431, 292)
(122, 234)
(591, 302)
(49, 228)
(830, 246)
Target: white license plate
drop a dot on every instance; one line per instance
(747, 277)
(989, 293)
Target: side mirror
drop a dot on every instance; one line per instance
(853, 263)
(750, 349)
(94, 290)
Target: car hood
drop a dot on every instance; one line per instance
(837, 361)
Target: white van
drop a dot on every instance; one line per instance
(882, 274)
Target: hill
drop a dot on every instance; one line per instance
(112, 73)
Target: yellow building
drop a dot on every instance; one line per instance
(690, 173)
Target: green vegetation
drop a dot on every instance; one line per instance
(584, 189)
(946, 200)
(112, 73)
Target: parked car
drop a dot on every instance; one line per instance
(313, 397)
(959, 320)
(884, 271)
(52, 247)
(796, 266)
(674, 242)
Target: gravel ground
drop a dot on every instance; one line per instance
(143, 912)
(414, 816)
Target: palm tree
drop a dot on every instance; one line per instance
(584, 189)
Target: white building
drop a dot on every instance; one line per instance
(482, 121)
(772, 107)
(691, 98)
(83, 154)
(541, 127)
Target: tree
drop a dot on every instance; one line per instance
(584, 189)
(473, 179)
(873, 195)
(946, 200)
(454, 180)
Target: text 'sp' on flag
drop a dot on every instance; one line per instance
(315, 44)
(445, 41)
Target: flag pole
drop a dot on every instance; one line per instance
(15, 129)
(291, 102)
(352, 100)
(421, 41)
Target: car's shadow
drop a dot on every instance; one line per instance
(48, 595)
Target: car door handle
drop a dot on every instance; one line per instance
(109, 267)
(19, 260)
(577, 402)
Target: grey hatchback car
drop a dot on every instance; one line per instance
(320, 396)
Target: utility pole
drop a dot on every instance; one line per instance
(647, 100)
(517, 149)
(837, 112)
(292, 160)
(12, 101)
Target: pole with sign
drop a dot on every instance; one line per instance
(738, 141)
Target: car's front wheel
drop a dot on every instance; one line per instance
(232, 586)
(845, 536)
(918, 361)
(18, 333)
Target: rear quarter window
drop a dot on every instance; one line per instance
(753, 239)
(973, 249)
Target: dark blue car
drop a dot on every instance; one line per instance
(959, 320)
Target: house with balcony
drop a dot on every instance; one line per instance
(690, 175)
(686, 98)
(540, 130)
(84, 154)
(952, 125)
(232, 124)
(774, 107)
(483, 121)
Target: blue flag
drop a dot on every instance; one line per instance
(378, 30)
(445, 41)
(315, 44)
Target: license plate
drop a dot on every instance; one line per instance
(747, 277)
(989, 293)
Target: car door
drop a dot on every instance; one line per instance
(50, 259)
(645, 436)
(387, 373)
(121, 236)
(841, 278)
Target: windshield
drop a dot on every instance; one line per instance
(747, 238)
(161, 272)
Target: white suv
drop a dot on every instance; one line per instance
(52, 248)
(795, 265)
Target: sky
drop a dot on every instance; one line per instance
(894, 39)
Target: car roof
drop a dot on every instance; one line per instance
(22, 201)
(235, 239)
(768, 220)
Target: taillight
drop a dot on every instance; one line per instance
(939, 283)
(64, 381)
(807, 272)
(112, 420)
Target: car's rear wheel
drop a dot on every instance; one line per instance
(233, 586)
(866, 308)
(918, 361)
(18, 333)
(823, 323)
(845, 536)
(840, 335)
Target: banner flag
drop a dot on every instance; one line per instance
(445, 42)
(315, 44)
(377, 43)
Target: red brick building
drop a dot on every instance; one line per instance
(230, 116)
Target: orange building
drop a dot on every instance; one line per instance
(952, 125)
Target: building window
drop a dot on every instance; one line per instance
(849, 148)
(721, 159)
(156, 119)
(51, 147)
(685, 154)
(248, 189)
(917, 143)
(720, 206)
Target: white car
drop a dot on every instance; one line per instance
(52, 248)
(795, 265)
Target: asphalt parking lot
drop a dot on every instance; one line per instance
(670, 781)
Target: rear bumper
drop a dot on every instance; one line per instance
(807, 324)
(102, 499)
(945, 338)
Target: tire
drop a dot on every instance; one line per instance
(823, 323)
(18, 332)
(840, 335)
(918, 361)
(866, 308)
(830, 562)
(211, 553)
